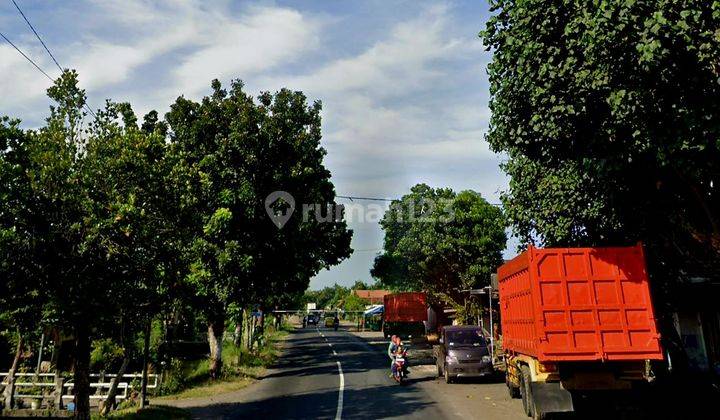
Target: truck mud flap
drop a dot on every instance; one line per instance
(550, 397)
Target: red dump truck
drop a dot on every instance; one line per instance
(405, 314)
(575, 320)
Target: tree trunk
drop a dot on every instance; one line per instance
(216, 328)
(18, 353)
(13, 369)
(250, 330)
(110, 402)
(239, 328)
(81, 377)
(237, 336)
(262, 323)
(146, 360)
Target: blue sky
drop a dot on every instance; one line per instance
(403, 83)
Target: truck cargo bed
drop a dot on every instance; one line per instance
(578, 304)
(405, 307)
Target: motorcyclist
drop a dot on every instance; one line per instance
(400, 350)
(395, 349)
(392, 348)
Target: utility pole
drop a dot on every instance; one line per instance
(489, 291)
(40, 355)
(492, 331)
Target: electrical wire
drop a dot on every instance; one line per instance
(37, 35)
(87, 107)
(353, 198)
(26, 57)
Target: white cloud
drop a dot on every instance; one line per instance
(20, 83)
(389, 113)
(207, 42)
(394, 66)
(259, 41)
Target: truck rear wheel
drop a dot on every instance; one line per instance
(525, 392)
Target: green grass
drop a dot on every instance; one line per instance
(208, 388)
(191, 379)
(160, 412)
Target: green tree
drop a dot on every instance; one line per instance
(231, 153)
(124, 171)
(361, 285)
(20, 290)
(609, 116)
(329, 297)
(353, 304)
(88, 200)
(440, 241)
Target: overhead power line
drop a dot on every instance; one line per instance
(352, 198)
(37, 35)
(87, 107)
(26, 57)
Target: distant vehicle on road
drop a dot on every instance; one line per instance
(405, 314)
(463, 353)
(329, 321)
(313, 318)
(575, 320)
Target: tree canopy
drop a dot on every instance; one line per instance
(231, 153)
(338, 297)
(440, 241)
(608, 113)
(115, 221)
(83, 221)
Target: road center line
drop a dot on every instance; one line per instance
(341, 390)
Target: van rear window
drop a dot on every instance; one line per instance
(466, 338)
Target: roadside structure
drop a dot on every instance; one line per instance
(374, 297)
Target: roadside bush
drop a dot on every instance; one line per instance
(238, 362)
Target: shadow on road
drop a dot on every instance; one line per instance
(372, 395)
(375, 403)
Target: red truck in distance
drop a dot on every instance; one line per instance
(405, 314)
(575, 320)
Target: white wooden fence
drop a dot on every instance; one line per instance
(60, 390)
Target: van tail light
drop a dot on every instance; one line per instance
(547, 367)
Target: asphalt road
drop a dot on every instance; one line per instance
(307, 383)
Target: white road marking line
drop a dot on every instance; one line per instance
(341, 390)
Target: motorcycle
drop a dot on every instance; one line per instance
(399, 371)
(336, 324)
